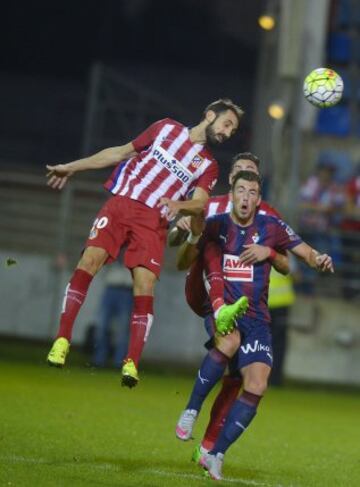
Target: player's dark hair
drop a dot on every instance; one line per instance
(222, 105)
(248, 176)
(245, 156)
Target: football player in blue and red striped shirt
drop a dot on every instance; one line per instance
(230, 235)
(205, 275)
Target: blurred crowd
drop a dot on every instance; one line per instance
(329, 220)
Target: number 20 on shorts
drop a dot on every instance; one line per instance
(98, 224)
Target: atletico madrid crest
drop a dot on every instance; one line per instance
(197, 161)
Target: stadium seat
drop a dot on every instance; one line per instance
(339, 48)
(334, 121)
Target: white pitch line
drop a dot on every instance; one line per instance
(42, 461)
(20, 459)
(162, 473)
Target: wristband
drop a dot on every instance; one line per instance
(272, 255)
(193, 239)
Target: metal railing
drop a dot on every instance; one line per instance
(38, 220)
(344, 247)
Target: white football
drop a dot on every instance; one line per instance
(323, 87)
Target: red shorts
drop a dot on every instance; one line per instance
(195, 291)
(123, 222)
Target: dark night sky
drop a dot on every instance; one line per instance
(48, 48)
(63, 38)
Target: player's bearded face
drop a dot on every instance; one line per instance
(246, 198)
(212, 137)
(221, 128)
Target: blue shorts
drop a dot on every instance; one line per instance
(255, 342)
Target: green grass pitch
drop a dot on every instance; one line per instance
(78, 427)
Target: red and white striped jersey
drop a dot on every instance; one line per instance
(218, 204)
(167, 165)
(222, 204)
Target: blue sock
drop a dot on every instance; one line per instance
(240, 416)
(210, 372)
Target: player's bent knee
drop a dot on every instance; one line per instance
(228, 344)
(144, 289)
(144, 282)
(92, 260)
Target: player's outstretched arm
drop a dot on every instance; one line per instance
(320, 262)
(60, 173)
(255, 253)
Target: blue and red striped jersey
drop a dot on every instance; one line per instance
(250, 280)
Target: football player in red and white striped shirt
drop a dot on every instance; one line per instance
(153, 176)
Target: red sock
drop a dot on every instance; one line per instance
(75, 294)
(224, 400)
(214, 274)
(140, 324)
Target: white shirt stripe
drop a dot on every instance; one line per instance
(170, 180)
(139, 166)
(153, 171)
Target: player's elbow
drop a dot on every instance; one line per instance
(186, 256)
(282, 265)
(284, 270)
(184, 260)
(200, 206)
(176, 237)
(182, 264)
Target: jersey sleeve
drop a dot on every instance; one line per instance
(285, 236)
(146, 138)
